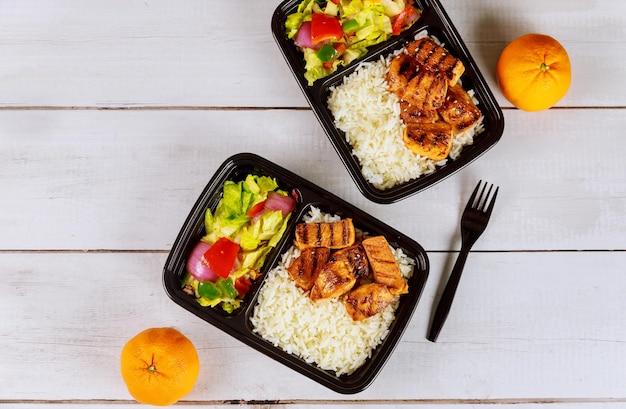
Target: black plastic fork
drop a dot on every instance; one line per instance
(473, 223)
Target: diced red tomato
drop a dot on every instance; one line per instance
(256, 209)
(335, 1)
(242, 285)
(221, 256)
(324, 28)
(403, 18)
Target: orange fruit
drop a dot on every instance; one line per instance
(534, 72)
(159, 366)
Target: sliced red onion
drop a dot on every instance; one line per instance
(276, 201)
(197, 265)
(303, 36)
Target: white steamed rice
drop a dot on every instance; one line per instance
(369, 115)
(319, 332)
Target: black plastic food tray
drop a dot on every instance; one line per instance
(437, 23)
(307, 194)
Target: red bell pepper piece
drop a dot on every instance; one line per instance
(221, 256)
(324, 28)
(242, 285)
(256, 209)
(401, 19)
(340, 47)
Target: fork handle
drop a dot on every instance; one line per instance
(445, 302)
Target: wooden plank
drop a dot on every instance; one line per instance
(127, 179)
(329, 403)
(162, 54)
(543, 326)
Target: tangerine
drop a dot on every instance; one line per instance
(534, 72)
(159, 366)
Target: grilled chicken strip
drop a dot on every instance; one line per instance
(433, 141)
(367, 300)
(334, 235)
(307, 266)
(435, 58)
(414, 115)
(459, 109)
(355, 256)
(383, 264)
(335, 279)
(426, 90)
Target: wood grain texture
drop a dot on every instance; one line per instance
(520, 327)
(127, 179)
(161, 53)
(115, 114)
(311, 404)
(354, 404)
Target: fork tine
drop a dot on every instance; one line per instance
(470, 202)
(482, 198)
(485, 200)
(493, 201)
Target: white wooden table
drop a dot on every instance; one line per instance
(115, 114)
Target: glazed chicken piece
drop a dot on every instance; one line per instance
(433, 106)
(355, 256)
(426, 90)
(435, 58)
(422, 88)
(307, 266)
(335, 279)
(383, 265)
(334, 235)
(414, 115)
(367, 300)
(401, 68)
(432, 140)
(459, 109)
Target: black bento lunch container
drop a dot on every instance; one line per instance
(436, 22)
(307, 194)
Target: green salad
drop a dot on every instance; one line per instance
(333, 33)
(247, 223)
